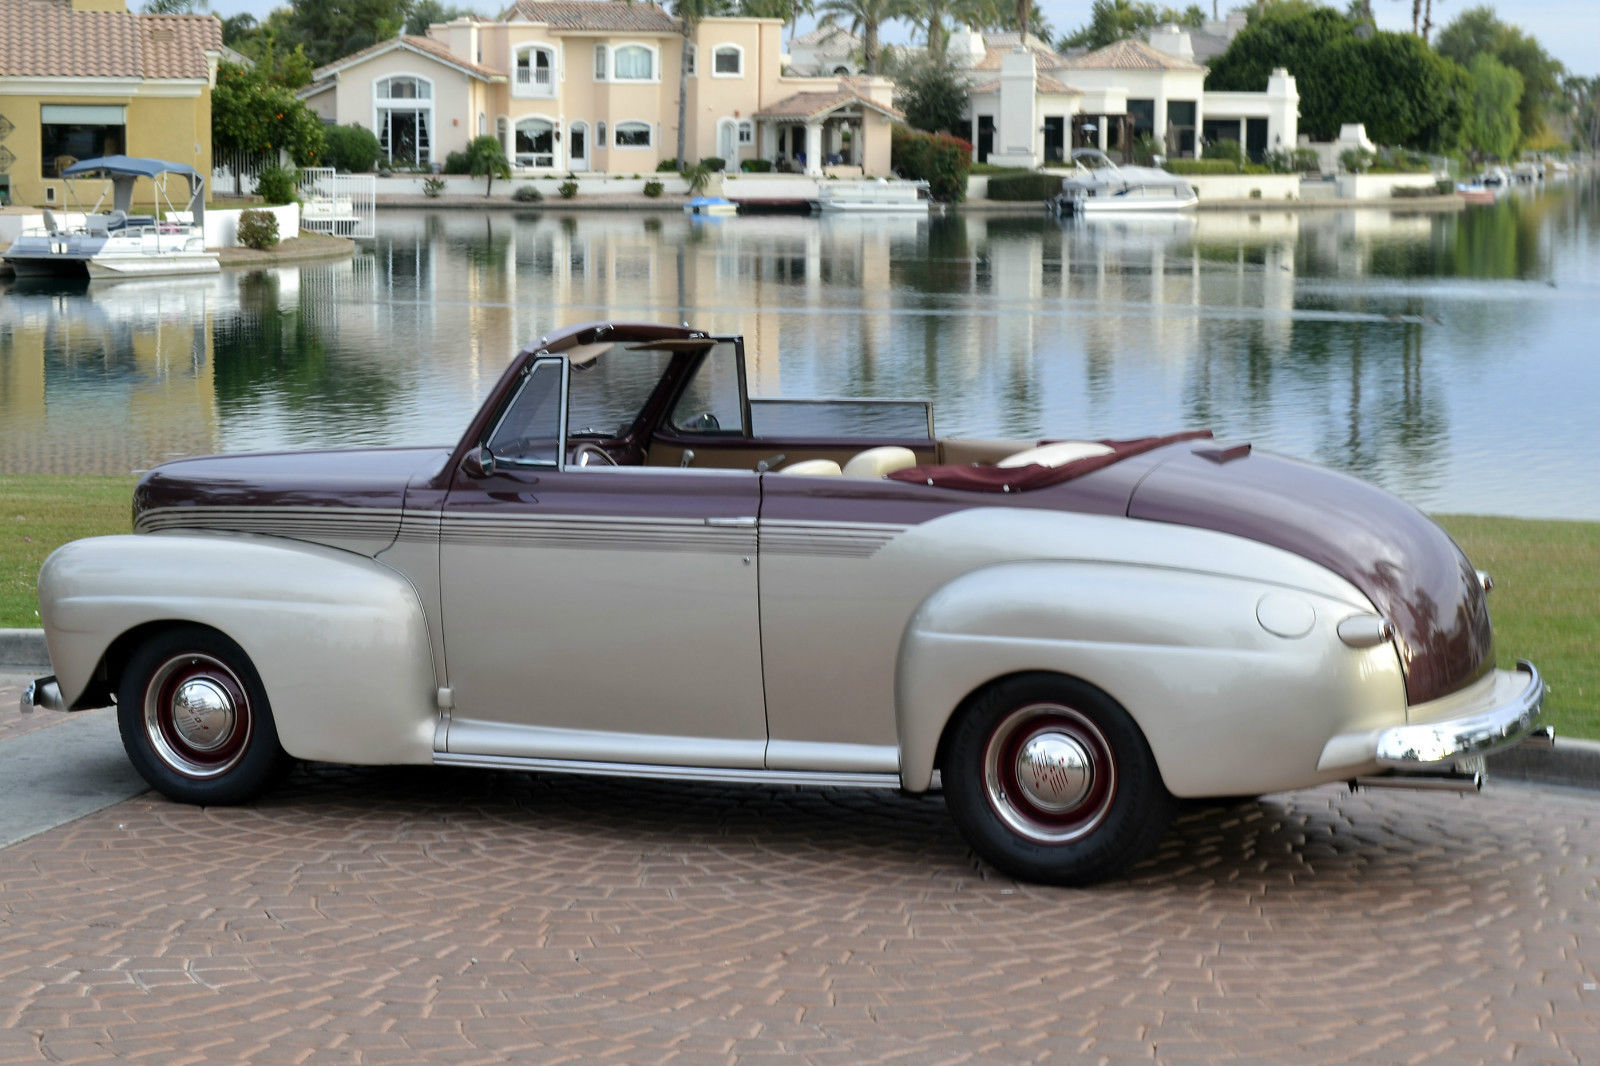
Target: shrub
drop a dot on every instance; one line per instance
(667, 166)
(1226, 148)
(653, 188)
(1306, 161)
(756, 166)
(258, 229)
(1203, 166)
(351, 148)
(714, 163)
(457, 163)
(1024, 187)
(1355, 160)
(939, 159)
(568, 189)
(275, 185)
(432, 187)
(527, 194)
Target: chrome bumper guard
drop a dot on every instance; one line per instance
(43, 693)
(1440, 744)
(1448, 755)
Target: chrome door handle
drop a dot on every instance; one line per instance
(732, 523)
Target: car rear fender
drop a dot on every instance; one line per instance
(1227, 706)
(340, 641)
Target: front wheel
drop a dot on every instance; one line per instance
(195, 720)
(1051, 781)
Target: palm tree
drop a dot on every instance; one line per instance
(864, 17)
(934, 17)
(689, 13)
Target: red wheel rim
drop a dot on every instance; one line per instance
(197, 715)
(1049, 773)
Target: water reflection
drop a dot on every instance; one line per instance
(1444, 356)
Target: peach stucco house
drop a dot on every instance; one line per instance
(581, 85)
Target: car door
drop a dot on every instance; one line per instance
(595, 613)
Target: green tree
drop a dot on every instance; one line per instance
(330, 29)
(175, 7)
(864, 17)
(787, 10)
(424, 13)
(1477, 31)
(351, 148)
(1115, 20)
(1582, 104)
(277, 57)
(238, 28)
(254, 117)
(933, 97)
(1491, 127)
(486, 158)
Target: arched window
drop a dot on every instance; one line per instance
(602, 61)
(634, 62)
(483, 124)
(502, 130)
(633, 135)
(536, 143)
(534, 71)
(727, 61)
(402, 115)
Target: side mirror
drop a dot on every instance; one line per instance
(478, 463)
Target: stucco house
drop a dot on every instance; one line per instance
(580, 85)
(1029, 104)
(84, 78)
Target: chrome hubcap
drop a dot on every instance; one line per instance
(197, 716)
(1054, 771)
(1049, 773)
(203, 714)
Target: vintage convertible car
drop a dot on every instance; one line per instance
(629, 566)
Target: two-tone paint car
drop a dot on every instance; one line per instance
(629, 566)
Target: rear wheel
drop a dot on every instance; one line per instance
(195, 720)
(1050, 780)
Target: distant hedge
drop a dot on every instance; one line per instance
(1213, 166)
(1023, 187)
(939, 159)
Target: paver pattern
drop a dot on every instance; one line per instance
(374, 916)
(14, 724)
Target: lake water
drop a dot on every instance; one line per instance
(1451, 358)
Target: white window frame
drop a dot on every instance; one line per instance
(649, 131)
(602, 61)
(747, 132)
(727, 46)
(423, 104)
(532, 87)
(694, 59)
(650, 49)
(536, 160)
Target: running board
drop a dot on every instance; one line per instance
(1450, 782)
(725, 774)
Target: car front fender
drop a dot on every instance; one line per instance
(1227, 706)
(340, 641)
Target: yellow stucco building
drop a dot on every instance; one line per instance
(84, 78)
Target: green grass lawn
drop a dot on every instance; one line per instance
(1546, 601)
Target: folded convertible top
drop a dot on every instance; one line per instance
(1035, 475)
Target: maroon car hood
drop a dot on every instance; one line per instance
(357, 477)
(1405, 564)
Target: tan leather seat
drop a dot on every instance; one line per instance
(1058, 454)
(879, 462)
(813, 468)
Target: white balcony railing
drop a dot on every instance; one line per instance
(534, 81)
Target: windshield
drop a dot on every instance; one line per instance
(606, 393)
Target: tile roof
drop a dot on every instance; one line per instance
(1129, 55)
(829, 35)
(996, 45)
(809, 106)
(1043, 84)
(47, 39)
(426, 45)
(592, 15)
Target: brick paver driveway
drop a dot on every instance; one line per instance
(422, 916)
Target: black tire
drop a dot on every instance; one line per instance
(1049, 780)
(225, 749)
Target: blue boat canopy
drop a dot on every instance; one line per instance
(130, 165)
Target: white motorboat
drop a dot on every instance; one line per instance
(1098, 186)
(116, 243)
(1494, 177)
(876, 196)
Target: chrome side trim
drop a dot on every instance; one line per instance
(750, 776)
(43, 693)
(1440, 743)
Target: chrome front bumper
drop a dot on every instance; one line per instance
(42, 693)
(1511, 717)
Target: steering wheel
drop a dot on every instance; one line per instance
(585, 449)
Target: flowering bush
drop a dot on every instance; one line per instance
(939, 159)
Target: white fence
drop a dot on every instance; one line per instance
(236, 172)
(344, 205)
